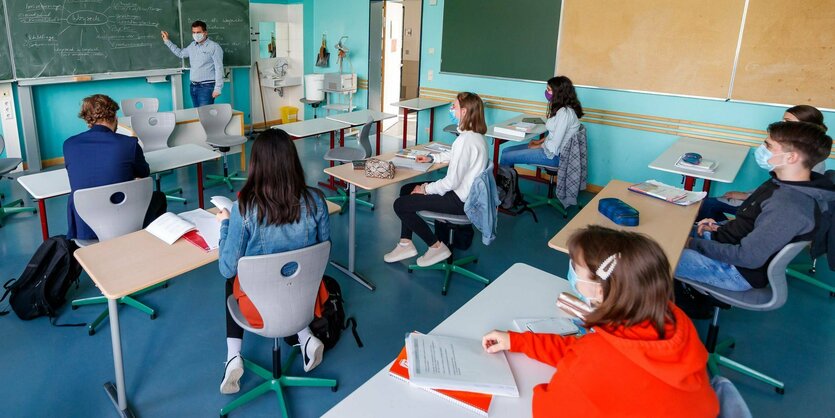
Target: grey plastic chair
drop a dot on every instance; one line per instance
(214, 119)
(806, 271)
(348, 154)
(452, 129)
(286, 307)
(551, 198)
(132, 107)
(154, 129)
(111, 220)
(7, 165)
(768, 298)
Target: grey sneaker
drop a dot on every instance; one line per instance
(434, 256)
(232, 376)
(400, 252)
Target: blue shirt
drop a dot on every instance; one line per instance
(205, 59)
(243, 235)
(95, 158)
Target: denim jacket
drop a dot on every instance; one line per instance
(242, 236)
(482, 204)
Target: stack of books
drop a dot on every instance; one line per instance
(517, 129)
(705, 166)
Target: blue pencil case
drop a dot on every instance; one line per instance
(618, 211)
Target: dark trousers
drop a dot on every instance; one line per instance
(201, 94)
(714, 209)
(233, 330)
(156, 208)
(408, 205)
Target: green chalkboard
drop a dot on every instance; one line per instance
(5, 55)
(500, 38)
(67, 37)
(228, 24)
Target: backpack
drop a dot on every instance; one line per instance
(329, 316)
(510, 197)
(42, 287)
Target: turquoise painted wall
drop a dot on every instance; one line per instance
(613, 152)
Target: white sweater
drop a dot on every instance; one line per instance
(467, 159)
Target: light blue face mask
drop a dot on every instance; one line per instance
(572, 280)
(762, 155)
(452, 116)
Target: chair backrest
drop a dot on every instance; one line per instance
(777, 274)
(364, 138)
(116, 209)
(153, 129)
(132, 107)
(284, 303)
(214, 119)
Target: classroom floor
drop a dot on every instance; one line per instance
(174, 363)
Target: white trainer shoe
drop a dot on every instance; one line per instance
(434, 256)
(312, 351)
(401, 252)
(232, 376)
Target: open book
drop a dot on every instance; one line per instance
(666, 192)
(198, 226)
(410, 164)
(438, 147)
(222, 202)
(458, 364)
(412, 153)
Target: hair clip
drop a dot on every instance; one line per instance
(607, 266)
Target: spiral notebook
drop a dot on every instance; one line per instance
(473, 402)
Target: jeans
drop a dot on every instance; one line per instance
(698, 268)
(408, 205)
(201, 94)
(521, 154)
(714, 209)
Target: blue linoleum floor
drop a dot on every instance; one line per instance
(174, 363)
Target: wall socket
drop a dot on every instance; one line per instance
(430, 75)
(6, 109)
(431, 51)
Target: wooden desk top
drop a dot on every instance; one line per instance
(346, 172)
(666, 223)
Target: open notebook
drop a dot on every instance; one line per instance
(197, 226)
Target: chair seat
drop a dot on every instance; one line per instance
(81, 243)
(9, 164)
(551, 170)
(240, 319)
(754, 299)
(446, 217)
(345, 154)
(226, 141)
(453, 129)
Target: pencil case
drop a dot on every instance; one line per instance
(618, 211)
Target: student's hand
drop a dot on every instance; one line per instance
(222, 215)
(736, 195)
(423, 159)
(534, 145)
(215, 94)
(420, 189)
(164, 36)
(496, 341)
(706, 224)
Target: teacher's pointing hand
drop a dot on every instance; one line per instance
(164, 36)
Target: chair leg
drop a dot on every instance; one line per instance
(91, 328)
(8, 209)
(133, 303)
(89, 301)
(795, 271)
(779, 386)
(248, 397)
(450, 266)
(227, 178)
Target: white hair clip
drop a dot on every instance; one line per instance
(607, 266)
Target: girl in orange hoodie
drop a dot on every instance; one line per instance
(642, 357)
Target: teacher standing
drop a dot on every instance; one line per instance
(206, 59)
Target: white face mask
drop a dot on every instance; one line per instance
(198, 37)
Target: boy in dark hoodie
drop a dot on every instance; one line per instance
(735, 255)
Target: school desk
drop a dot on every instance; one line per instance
(728, 157)
(416, 105)
(500, 138)
(361, 117)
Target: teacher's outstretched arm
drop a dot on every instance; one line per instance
(180, 53)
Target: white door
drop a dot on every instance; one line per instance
(392, 58)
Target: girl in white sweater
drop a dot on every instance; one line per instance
(467, 159)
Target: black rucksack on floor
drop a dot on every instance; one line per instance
(330, 320)
(510, 197)
(42, 287)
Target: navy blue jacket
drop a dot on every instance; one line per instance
(99, 157)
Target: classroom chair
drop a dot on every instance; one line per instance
(451, 265)
(286, 307)
(154, 129)
(806, 271)
(451, 129)
(550, 199)
(348, 154)
(214, 119)
(112, 211)
(768, 298)
(7, 165)
(131, 107)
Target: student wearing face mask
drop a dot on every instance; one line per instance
(643, 357)
(716, 208)
(205, 59)
(735, 255)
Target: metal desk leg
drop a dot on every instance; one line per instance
(352, 232)
(431, 122)
(689, 182)
(379, 133)
(200, 185)
(331, 183)
(117, 392)
(706, 186)
(405, 128)
(496, 144)
(44, 223)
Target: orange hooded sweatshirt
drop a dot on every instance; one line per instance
(623, 372)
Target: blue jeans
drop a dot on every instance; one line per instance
(521, 154)
(698, 268)
(201, 94)
(714, 209)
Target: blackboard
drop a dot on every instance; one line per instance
(5, 55)
(60, 37)
(228, 24)
(500, 38)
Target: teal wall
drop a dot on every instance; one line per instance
(613, 152)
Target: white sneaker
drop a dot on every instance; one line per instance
(401, 252)
(434, 256)
(232, 376)
(312, 353)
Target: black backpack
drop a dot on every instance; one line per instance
(510, 197)
(42, 287)
(329, 326)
